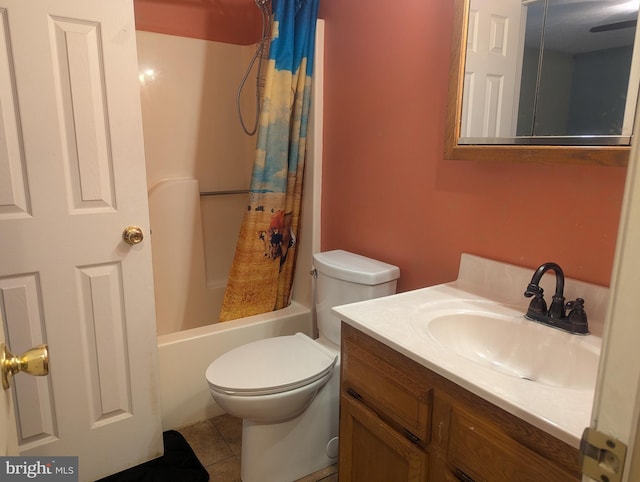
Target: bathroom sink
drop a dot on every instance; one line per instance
(505, 341)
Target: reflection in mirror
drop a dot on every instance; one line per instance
(460, 108)
(549, 72)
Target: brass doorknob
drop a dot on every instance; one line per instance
(34, 362)
(132, 235)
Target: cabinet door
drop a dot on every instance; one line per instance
(372, 451)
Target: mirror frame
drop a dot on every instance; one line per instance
(589, 155)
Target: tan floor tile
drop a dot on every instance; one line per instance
(206, 442)
(231, 430)
(227, 470)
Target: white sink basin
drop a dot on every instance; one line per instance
(472, 332)
(503, 340)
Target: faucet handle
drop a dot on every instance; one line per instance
(577, 304)
(538, 306)
(577, 316)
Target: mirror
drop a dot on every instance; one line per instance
(545, 80)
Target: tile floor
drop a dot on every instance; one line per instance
(216, 442)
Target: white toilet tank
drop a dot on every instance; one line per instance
(344, 277)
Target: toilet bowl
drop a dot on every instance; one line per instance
(286, 388)
(270, 380)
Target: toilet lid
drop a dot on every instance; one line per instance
(272, 365)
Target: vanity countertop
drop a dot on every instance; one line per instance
(560, 411)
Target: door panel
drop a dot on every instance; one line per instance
(8, 437)
(13, 188)
(494, 49)
(21, 300)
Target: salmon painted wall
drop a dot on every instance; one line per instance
(389, 194)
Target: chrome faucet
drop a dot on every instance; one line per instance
(575, 322)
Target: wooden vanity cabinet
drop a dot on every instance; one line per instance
(399, 421)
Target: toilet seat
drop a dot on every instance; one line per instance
(271, 365)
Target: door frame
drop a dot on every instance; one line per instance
(616, 406)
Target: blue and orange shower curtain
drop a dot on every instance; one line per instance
(261, 274)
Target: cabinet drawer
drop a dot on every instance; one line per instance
(484, 453)
(388, 383)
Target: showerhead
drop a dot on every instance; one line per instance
(262, 3)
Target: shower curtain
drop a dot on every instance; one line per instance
(261, 274)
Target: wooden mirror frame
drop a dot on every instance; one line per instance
(589, 155)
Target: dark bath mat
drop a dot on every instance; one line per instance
(178, 464)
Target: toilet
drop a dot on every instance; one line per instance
(286, 389)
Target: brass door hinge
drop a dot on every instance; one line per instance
(601, 457)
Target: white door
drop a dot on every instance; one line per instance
(493, 65)
(72, 177)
